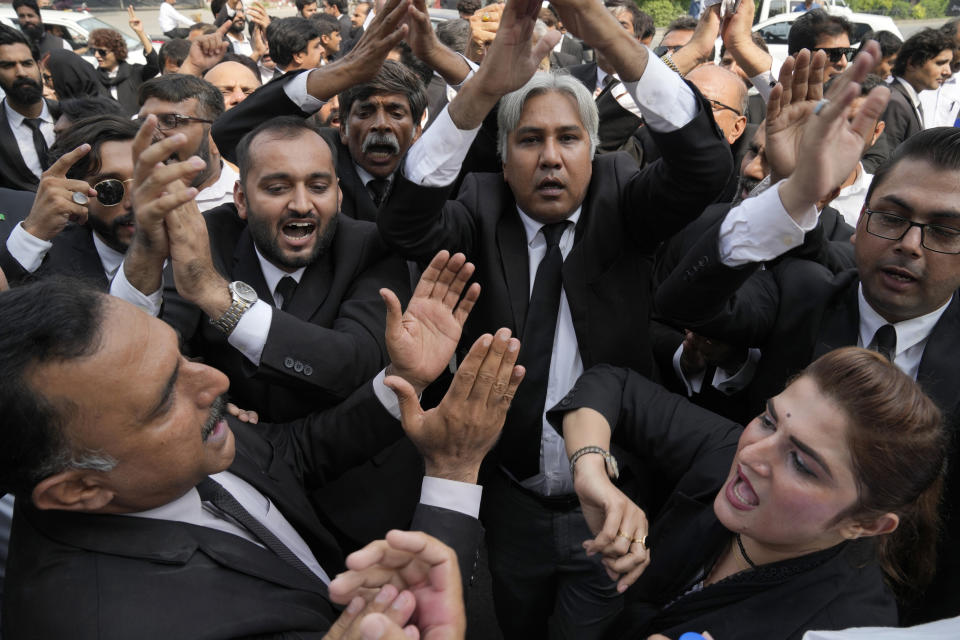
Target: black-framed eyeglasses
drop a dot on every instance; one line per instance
(661, 50)
(167, 121)
(97, 51)
(934, 237)
(111, 192)
(835, 53)
(719, 106)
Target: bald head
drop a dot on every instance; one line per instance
(234, 80)
(727, 94)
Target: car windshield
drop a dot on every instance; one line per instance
(95, 23)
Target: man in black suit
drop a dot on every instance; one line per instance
(26, 119)
(28, 17)
(150, 485)
(900, 299)
(922, 64)
(310, 326)
(614, 218)
(81, 222)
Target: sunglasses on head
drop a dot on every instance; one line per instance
(99, 52)
(835, 53)
(111, 192)
(662, 50)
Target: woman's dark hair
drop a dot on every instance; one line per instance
(898, 448)
(110, 40)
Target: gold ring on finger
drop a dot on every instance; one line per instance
(621, 534)
(642, 541)
(485, 17)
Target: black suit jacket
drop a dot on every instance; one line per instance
(15, 206)
(83, 575)
(328, 342)
(795, 313)
(72, 254)
(572, 47)
(14, 174)
(685, 454)
(902, 121)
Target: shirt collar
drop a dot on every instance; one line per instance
(366, 176)
(110, 258)
(914, 98)
(16, 119)
(531, 227)
(909, 332)
(272, 273)
(861, 184)
(224, 184)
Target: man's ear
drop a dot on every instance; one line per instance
(881, 125)
(882, 525)
(72, 490)
(417, 131)
(738, 128)
(298, 57)
(240, 199)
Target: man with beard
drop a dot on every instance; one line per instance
(308, 320)
(26, 119)
(187, 105)
(233, 11)
(28, 16)
(81, 222)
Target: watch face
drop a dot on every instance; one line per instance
(244, 291)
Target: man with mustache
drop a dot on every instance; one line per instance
(28, 16)
(233, 12)
(81, 222)
(26, 119)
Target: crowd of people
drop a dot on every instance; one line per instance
(517, 325)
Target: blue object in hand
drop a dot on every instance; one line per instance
(690, 635)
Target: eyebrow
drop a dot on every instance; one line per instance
(159, 408)
(323, 175)
(903, 204)
(800, 445)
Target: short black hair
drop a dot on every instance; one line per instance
(325, 23)
(469, 7)
(889, 42)
(9, 35)
(287, 127)
(30, 4)
(175, 50)
(288, 36)
(303, 3)
(682, 23)
(94, 131)
(939, 146)
(642, 22)
(868, 84)
(807, 30)
(77, 109)
(47, 321)
(920, 47)
(455, 34)
(177, 87)
(393, 77)
(339, 4)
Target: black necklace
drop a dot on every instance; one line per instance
(743, 552)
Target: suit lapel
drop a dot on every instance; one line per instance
(898, 86)
(10, 151)
(840, 326)
(313, 288)
(363, 207)
(246, 267)
(83, 256)
(512, 245)
(939, 362)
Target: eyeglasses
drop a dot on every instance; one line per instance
(662, 50)
(719, 106)
(167, 121)
(835, 53)
(111, 192)
(99, 52)
(934, 237)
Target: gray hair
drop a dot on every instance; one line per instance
(82, 459)
(511, 106)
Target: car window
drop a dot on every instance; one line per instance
(70, 33)
(858, 31)
(775, 33)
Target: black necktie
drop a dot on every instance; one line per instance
(521, 441)
(286, 288)
(211, 491)
(39, 142)
(886, 341)
(378, 189)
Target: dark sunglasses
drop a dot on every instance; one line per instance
(99, 52)
(835, 53)
(110, 192)
(167, 121)
(661, 50)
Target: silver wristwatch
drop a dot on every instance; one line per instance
(243, 298)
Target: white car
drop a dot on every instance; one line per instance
(75, 28)
(776, 29)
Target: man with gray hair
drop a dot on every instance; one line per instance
(563, 243)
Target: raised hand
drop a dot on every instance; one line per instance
(596, 26)
(386, 29)
(206, 51)
(483, 29)
(829, 145)
(135, 23)
(454, 437)
(790, 105)
(421, 340)
(54, 205)
(415, 562)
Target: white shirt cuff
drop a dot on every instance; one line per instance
(250, 334)
(764, 82)
(695, 382)
(27, 249)
(296, 90)
(436, 158)
(729, 383)
(462, 497)
(473, 68)
(664, 99)
(121, 288)
(760, 229)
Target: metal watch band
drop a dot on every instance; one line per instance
(613, 470)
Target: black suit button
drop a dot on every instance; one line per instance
(288, 362)
(307, 370)
(298, 366)
(702, 262)
(565, 402)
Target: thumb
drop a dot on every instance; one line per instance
(394, 311)
(410, 410)
(546, 43)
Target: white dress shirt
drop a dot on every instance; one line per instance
(169, 18)
(23, 134)
(914, 99)
(30, 251)
(221, 191)
(942, 105)
(852, 198)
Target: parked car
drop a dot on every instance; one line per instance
(75, 28)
